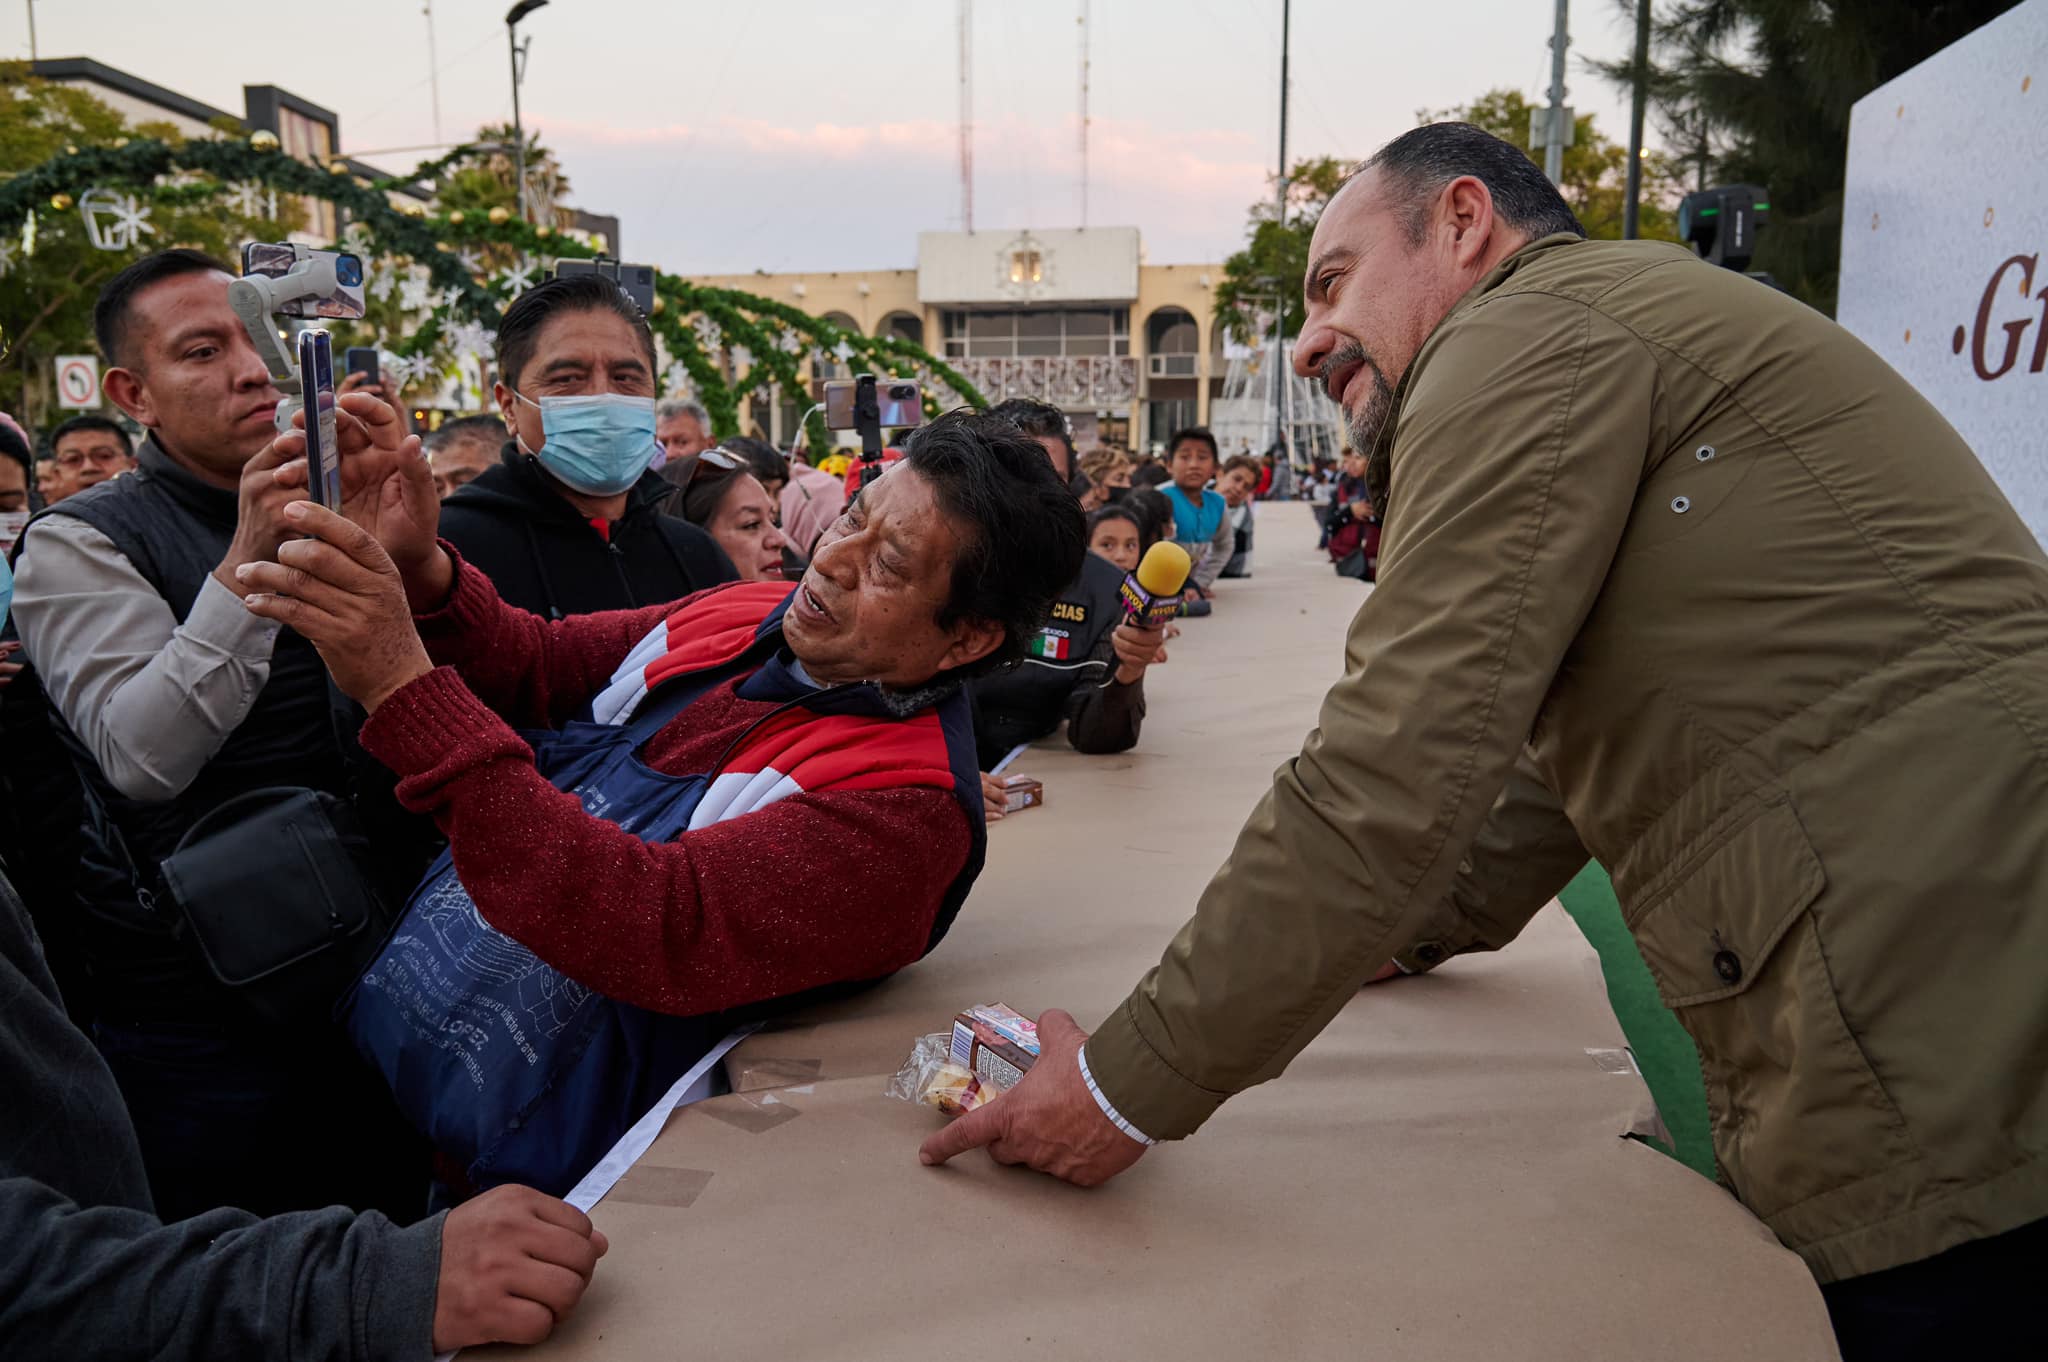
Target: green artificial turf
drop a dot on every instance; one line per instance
(1663, 1051)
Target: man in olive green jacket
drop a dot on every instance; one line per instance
(1678, 574)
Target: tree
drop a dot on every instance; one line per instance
(1759, 92)
(50, 276)
(1269, 270)
(1595, 170)
(488, 181)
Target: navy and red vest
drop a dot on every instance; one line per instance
(520, 1073)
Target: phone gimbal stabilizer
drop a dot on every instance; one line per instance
(867, 420)
(259, 299)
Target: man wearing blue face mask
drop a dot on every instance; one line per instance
(570, 521)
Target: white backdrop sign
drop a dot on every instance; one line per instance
(1945, 241)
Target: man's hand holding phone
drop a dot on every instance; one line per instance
(386, 488)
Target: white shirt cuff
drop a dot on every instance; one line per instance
(219, 619)
(1115, 1117)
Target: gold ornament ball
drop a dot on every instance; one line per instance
(263, 140)
(120, 142)
(61, 202)
(543, 231)
(500, 215)
(455, 218)
(337, 167)
(70, 150)
(659, 302)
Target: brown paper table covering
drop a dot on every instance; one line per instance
(1441, 1175)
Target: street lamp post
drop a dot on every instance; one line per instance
(512, 18)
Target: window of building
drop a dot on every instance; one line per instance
(903, 326)
(1037, 331)
(309, 139)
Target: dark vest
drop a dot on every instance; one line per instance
(1025, 702)
(175, 530)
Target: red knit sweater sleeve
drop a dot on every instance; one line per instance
(815, 889)
(530, 670)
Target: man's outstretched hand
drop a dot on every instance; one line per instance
(1049, 1121)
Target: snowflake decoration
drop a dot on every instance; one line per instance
(114, 222)
(515, 279)
(447, 298)
(28, 236)
(246, 198)
(6, 259)
(355, 239)
(742, 357)
(470, 339)
(383, 280)
(416, 293)
(676, 381)
(708, 334)
(131, 218)
(411, 370)
(471, 260)
(789, 343)
(843, 351)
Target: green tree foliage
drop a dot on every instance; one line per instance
(488, 182)
(47, 293)
(1759, 92)
(1269, 270)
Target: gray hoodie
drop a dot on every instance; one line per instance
(89, 1271)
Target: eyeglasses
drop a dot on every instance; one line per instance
(76, 458)
(723, 459)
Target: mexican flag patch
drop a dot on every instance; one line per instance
(1050, 644)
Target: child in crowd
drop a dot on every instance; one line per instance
(1117, 533)
(1201, 522)
(1237, 485)
(1352, 523)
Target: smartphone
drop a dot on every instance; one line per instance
(635, 281)
(900, 402)
(275, 259)
(316, 383)
(362, 359)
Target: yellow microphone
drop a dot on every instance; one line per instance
(1151, 595)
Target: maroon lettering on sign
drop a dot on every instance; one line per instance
(2015, 332)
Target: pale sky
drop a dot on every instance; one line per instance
(821, 134)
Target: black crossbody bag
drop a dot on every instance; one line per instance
(273, 889)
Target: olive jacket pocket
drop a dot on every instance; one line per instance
(1733, 942)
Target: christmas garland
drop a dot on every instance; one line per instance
(725, 343)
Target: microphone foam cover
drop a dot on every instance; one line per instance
(1164, 569)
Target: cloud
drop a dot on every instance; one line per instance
(740, 193)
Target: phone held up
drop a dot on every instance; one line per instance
(362, 359)
(898, 403)
(323, 456)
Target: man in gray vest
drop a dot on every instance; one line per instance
(173, 699)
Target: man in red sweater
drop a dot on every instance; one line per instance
(751, 793)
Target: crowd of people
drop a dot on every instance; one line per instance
(310, 809)
(568, 666)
